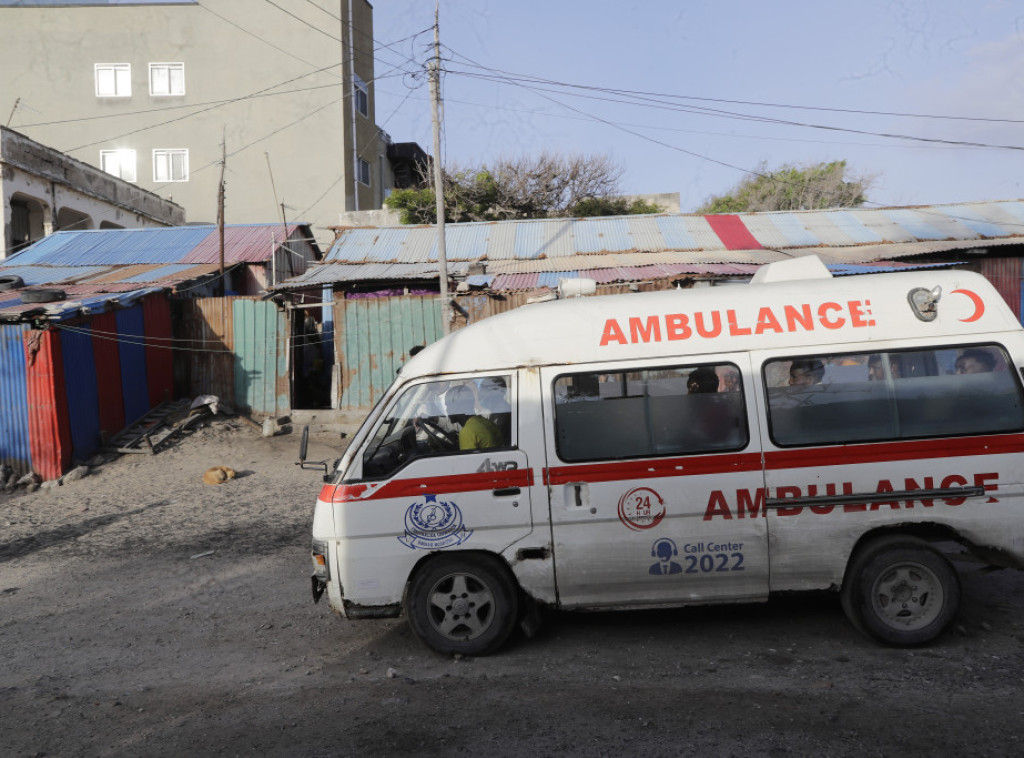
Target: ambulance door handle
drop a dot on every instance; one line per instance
(579, 493)
(506, 491)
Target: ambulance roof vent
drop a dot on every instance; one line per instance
(805, 267)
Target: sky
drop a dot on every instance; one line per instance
(686, 96)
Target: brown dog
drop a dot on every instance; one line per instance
(218, 475)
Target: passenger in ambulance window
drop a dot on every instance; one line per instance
(975, 361)
(876, 370)
(475, 432)
(729, 379)
(492, 394)
(804, 373)
(584, 387)
(431, 408)
(702, 380)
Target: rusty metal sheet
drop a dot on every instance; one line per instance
(203, 330)
(49, 429)
(373, 339)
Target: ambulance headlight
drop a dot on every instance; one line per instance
(321, 569)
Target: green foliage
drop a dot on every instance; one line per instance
(612, 206)
(545, 186)
(417, 206)
(789, 188)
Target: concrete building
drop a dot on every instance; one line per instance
(44, 191)
(157, 92)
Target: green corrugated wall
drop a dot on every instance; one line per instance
(373, 340)
(261, 356)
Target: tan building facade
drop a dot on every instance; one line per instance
(158, 93)
(44, 191)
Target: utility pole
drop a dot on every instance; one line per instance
(220, 210)
(435, 100)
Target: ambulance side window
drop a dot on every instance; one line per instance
(663, 411)
(441, 418)
(906, 394)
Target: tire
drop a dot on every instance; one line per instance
(42, 296)
(462, 604)
(901, 592)
(10, 282)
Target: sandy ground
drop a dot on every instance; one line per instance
(143, 613)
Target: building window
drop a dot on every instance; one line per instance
(170, 165)
(361, 95)
(363, 172)
(166, 79)
(120, 163)
(113, 80)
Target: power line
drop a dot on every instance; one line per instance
(697, 110)
(569, 85)
(170, 343)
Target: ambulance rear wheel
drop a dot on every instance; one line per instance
(901, 592)
(467, 605)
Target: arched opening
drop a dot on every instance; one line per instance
(72, 220)
(110, 225)
(27, 221)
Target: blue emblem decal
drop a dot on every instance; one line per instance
(433, 524)
(665, 550)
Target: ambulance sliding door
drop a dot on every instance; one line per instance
(655, 483)
(856, 440)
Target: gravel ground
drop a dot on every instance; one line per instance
(145, 613)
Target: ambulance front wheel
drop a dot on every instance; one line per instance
(462, 604)
(901, 592)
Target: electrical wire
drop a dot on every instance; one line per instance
(764, 104)
(714, 112)
(169, 343)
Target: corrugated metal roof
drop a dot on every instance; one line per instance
(34, 275)
(107, 266)
(550, 245)
(243, 243)
(328, 273)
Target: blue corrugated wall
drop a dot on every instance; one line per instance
(14, 442)
(134, 384)
(82, 391)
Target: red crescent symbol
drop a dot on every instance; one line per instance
(979, 304)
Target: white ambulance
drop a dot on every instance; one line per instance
(686, 447)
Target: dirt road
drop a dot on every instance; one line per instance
(143, 613)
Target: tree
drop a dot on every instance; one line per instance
(547, 186)
(790, 188)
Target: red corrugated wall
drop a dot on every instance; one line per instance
(49, 429)
(108, 374)
(156, 314)
(1005, 274)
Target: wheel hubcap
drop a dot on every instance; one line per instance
(907, 596)
(461, 607)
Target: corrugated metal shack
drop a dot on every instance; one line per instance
(121, 324)
(496, 266)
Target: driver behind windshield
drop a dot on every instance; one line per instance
(476, 432)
